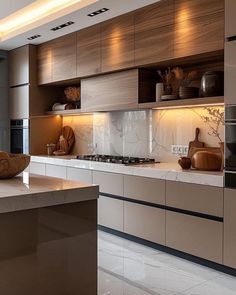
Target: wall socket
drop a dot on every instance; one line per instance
(179, 150)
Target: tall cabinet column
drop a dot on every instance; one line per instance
(4, 120)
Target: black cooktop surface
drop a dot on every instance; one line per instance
(116, 159)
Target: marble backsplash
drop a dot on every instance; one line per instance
(148, 133)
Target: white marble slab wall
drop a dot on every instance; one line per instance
(149, 133)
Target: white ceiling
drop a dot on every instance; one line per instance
(116, 7)
(10, 6)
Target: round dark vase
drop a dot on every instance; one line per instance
(212, 84)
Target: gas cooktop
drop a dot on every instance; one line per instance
(116, 159)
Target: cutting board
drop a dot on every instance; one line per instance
(195, 143)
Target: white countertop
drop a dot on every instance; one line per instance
(29, 191)
(166, 171)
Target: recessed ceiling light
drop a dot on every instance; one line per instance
(34, 37)
(62, 26)
(98, 12)
(38, 13)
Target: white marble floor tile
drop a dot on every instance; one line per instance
(222, 285)
(134, 267)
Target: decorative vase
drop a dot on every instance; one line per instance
(222, 149)
(159, 91)
(212, 84)
(168, 89)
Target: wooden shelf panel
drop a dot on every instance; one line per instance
(177, 103)
(183, 102)
(65, 112)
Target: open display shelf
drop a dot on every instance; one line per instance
(177, 103)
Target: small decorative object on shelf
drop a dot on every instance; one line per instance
(73, 96)
(183, 82)
(212, 84)
(167, 79)
(159, 91)
(50, 148)
(65, 142)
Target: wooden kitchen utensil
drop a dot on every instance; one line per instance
(206, 161)
(193, 150)
(195, 142)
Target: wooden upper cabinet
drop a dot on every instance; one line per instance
(117, 37)
(230, 20)
(45, 63)
(19, 64)
(199, 27)
(89, 51)
(64, 58)
(154, 33)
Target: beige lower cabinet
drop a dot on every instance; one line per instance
(144, 222)
(111, 213)
(194, 197)
(193, 235)
(110, 183)
(145, 189)
(37, 168)
(77, 174)
(56, 171)
(230, 228)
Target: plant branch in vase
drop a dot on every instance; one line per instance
(215, 119)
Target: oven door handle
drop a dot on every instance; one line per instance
(230, 123)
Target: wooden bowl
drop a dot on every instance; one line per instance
(13, 165)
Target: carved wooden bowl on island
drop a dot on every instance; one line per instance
(11, 165)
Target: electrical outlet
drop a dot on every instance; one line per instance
(179, 149)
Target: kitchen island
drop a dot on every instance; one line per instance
(48, 236)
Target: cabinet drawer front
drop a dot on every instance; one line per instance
(197, 236)
(111, 213)
(37, 168)
(144, 189)
(19, 102)
(199, 35)
(82, 175)
(56, 171)
(109, 183)
(197, 198)
(154, 45)
(144, 222)
(229, 228)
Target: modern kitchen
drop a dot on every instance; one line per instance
(118, 147)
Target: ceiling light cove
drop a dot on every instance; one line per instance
(38, 13)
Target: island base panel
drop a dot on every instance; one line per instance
(50, 250)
